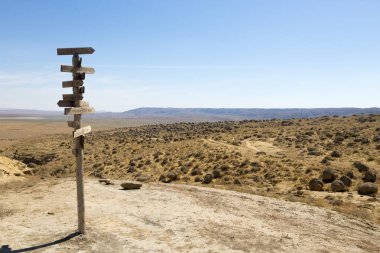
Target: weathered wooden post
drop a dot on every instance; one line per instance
(76, 106)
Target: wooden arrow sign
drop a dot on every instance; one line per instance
(73, 124)
(72, 97)
(82, 131)
(75, 50)
(79, 110)
(67, 103)
(69, 84)
(81, 70)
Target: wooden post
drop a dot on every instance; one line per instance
(76, 61)
(78, 107)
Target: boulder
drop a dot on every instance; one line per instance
(336, 154)
(338, 186)
(369, 176)
(347, 181)
(207, 179)
(143, 178)
(367, 188)
(350, 174)
(172, 175)
(130, 186)
(315, 184)
(361, 166)
(328, 175)
(216, 173)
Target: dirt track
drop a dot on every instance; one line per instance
(172, 218)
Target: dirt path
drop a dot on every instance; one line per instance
(249, 146)
(172, 218)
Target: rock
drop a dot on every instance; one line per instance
(32, 165)
(350, 174)
(256, 178)
(143, 178)
(315, 184)
(369, 176)
(376, 138)
(347, 181)
(172, 175)
(207, 179)
(237, 181)
(367, 188)
(197, 179)
(328, 175)
(131, 169)
(361, 166)
(164, 179)
(216, 173)
(195, 171)
(130, 186)
(336, 154)
(338, 186)
(105, 181)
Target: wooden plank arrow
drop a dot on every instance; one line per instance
(73, 124)
(69, 84)
(79, 110)
(72, 97)
(82, 131)
(67, 103)
(75, 50)
(81, 70)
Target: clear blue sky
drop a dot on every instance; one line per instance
(198, 53)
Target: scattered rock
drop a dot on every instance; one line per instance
(350, 174)
(237, 181)
(143, 178)
(336, 154)
(328, 175)
(32, 165)
(195, 172)
(338, 186)
(130, 186)
(367, 188)
(347, 181)
(216, 173)
(106, 181)
(315, 184)
(369, 176)
(131, 169)
(197, 179)
(207, 179)
(172, 175)
(360, 166)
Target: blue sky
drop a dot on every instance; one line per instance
(198, 53)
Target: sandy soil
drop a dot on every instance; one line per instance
(41, 216)
(11, 170)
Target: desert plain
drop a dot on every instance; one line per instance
(230, 186)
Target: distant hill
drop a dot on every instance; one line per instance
(240, 113)
(162, 115)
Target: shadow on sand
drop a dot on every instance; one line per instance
(7, 249)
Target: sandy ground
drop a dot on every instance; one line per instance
(41, 217)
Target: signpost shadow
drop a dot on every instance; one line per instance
(7, 249)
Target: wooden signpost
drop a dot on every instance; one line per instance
(76, 106)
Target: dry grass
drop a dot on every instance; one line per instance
(273, 158)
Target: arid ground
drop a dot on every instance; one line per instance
(266, 165)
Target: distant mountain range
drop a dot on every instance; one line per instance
(201, 114)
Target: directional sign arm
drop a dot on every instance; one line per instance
(82, 131)
(72, 69)
(74, 83)
(75, 50)
(79, 110)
